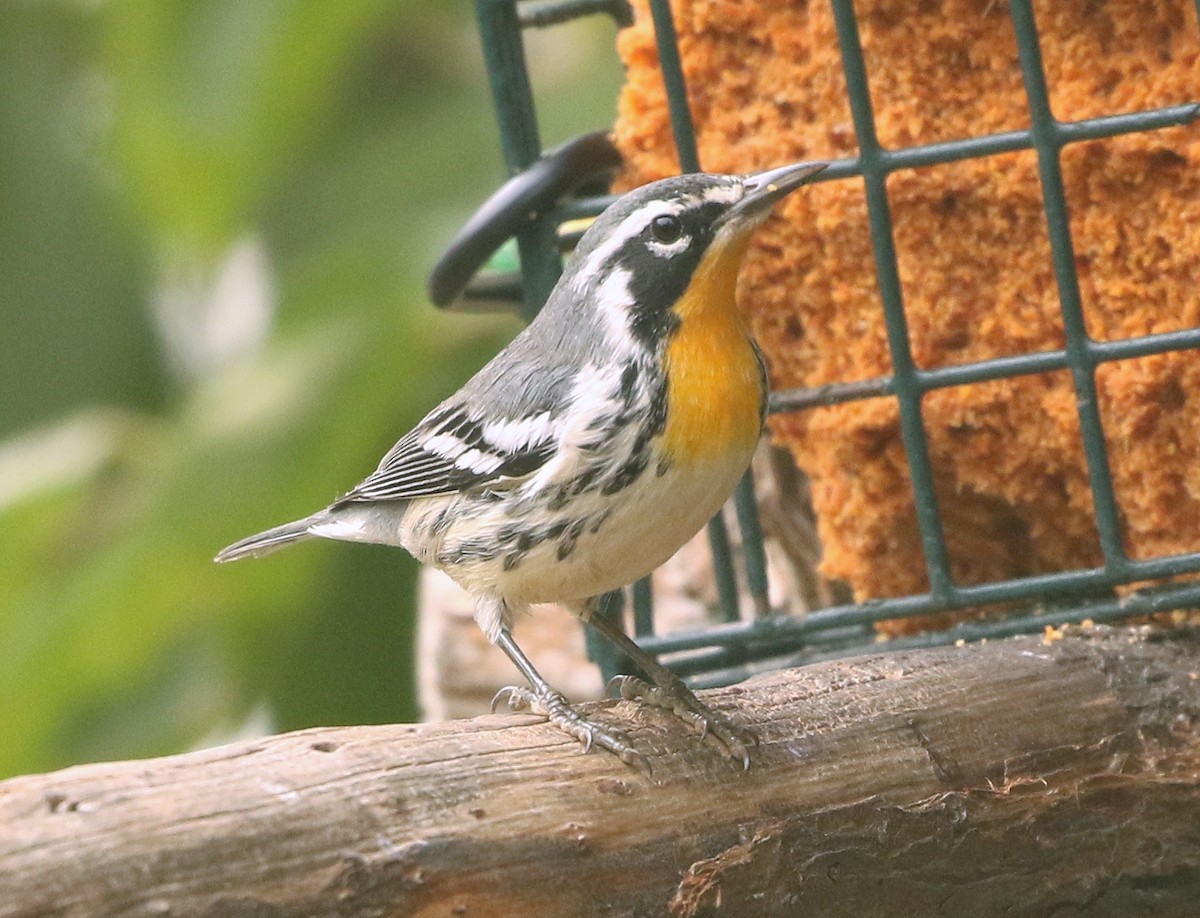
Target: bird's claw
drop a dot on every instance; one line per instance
(555, 708)
(678, 699)
(506, 696)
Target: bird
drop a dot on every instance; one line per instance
(594, 445)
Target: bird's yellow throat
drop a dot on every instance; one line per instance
(714, 383)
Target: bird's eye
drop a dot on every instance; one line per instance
(666, 229)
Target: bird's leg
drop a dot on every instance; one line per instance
(544, 700)
(666, 690)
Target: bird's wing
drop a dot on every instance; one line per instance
(450, 451)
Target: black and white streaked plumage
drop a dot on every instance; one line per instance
(601, 439)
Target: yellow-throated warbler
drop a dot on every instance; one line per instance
(581, 457)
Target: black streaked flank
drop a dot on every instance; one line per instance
(599, 520)
(629, 379)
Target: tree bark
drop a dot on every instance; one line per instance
(1020, 777)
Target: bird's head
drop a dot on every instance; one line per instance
(672, 245)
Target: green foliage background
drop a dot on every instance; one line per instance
(141, 143)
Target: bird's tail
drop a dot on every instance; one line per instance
(264, 543)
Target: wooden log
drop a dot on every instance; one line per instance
(1020, 777)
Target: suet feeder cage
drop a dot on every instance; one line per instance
(1018, 239)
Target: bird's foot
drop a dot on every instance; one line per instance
(682, 702)
(555, 708)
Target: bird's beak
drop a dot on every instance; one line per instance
(763, 190)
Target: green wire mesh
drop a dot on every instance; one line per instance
(734, 649)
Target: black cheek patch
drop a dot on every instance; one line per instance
(657, 282)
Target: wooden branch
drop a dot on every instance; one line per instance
(1017, 778)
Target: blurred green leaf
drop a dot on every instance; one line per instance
(73, 276)
(213, 101)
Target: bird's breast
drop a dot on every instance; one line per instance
(715, 382)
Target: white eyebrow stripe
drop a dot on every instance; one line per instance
(626, 230)
(637, 221)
